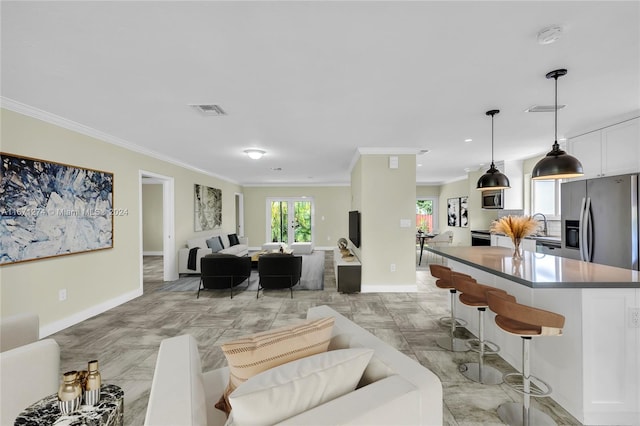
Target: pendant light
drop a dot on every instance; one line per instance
(492, 179)
(557, 164)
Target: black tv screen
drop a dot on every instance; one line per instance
(354, 227)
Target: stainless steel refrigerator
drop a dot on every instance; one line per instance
(600, 220)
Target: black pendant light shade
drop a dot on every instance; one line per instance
(492, 179)
(557, 164)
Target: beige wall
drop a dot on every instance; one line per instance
(152, 231)
(386, 196)
(99, 280)
(331, 204)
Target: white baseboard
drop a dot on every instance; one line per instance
(152, 253)
(76, 318)
(389, 288)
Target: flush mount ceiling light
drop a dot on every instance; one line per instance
(255, 154)
(492, 179)
(557, 164)
(550, 34)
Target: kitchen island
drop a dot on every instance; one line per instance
(594, 368)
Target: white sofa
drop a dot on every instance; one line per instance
(241, 249)
(30, 369)
(400, 391)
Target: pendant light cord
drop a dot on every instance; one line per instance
(492, 164)
(555, 143)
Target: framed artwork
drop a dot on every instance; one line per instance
(208, 207)
(453, 211)
(50, 209)
(464, 212)
(458, 211)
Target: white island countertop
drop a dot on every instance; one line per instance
(538, 270)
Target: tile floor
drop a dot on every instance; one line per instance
(125, 339)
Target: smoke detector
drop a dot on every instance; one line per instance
(212, 110)
(549, 34)
(544, 108)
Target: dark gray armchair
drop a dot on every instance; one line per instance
(279, 271)
(223, 271)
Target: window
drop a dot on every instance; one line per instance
(289, 220)
(426, 219)
(545, 198)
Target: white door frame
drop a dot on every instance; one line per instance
(170, 272)
(239, 203)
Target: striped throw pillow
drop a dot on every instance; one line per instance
(258, 352)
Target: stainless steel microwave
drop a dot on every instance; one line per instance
(493, 199)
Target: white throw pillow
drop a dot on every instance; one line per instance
(292, 388)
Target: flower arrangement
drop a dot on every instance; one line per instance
(515, 227)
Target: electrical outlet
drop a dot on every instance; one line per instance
(634, 317)
(393, 267)
(62, 295)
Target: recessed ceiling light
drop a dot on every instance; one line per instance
(419, 165)
(254, 154)
(276, 169)
(468, 140)
(423, 151)
(549, 34)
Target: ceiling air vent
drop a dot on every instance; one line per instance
(543, 108)
(209, 109)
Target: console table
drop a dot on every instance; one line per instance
(108, 412)
(348, 274)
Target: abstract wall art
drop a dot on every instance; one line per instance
(51, 209)
(457, 211)
(208, 208)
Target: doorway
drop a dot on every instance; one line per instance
(290, 220)
(168, 249)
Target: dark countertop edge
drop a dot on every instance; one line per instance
(544, 285)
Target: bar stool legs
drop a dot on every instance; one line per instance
(477, 371)
(452, 343)
(516, 414)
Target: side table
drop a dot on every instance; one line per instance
(108, 412)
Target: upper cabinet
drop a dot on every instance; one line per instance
(609, 151)
(514, 196)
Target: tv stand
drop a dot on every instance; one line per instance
(348, 274)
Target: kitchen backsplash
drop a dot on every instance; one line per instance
(553, 226)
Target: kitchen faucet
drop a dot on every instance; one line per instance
(544, 219)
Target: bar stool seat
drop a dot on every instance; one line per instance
(526, 322)
(445, 281)
(475, 295)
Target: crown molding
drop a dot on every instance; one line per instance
(65, 123)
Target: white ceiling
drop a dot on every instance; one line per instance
(311, 82)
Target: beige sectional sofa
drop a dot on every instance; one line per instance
(397, 390)
(241, 249)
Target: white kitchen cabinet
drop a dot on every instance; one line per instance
(608, 151)
(514, 196)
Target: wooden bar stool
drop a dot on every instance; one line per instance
(444, 280)
(526, 322)
(474, 294)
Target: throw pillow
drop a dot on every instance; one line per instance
(233, 240)
(258, 352)
(215, 244)
(303, 384)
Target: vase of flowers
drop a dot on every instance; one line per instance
(515, 227)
